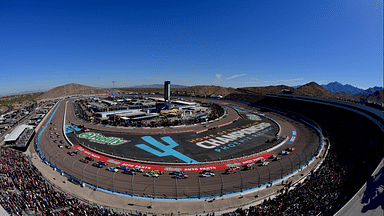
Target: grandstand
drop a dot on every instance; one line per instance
(20, 137)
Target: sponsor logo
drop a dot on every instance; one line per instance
(99, 138)
(167, 149)
(224, 139)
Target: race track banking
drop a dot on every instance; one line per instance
(305, 144)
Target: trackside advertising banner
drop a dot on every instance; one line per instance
(192, 168)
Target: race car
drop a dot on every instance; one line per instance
(113, 169)
(249, 166)
(230, 171)
(131, 172)
(103, 163)
(285, 152)
(290, 149)
(89, 158)
(262, 160)
(71, 153)
(138, 170)
(123, 168)
(208, 172)
(157, 172)
(177, 173)
(277, 158)
(84, 161)
(149, 174)
(272, 157)
(265, 163)
(181, 176)
(97, 165)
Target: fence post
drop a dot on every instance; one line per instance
(83, 171)
(198, 177)
(55, 158)
(154, 193)
(281, 169)
(133, 176)
(241, 175)
(258, 184)
(299, 159)
(291, 164)
(222, 184)
(97, 178)
(64, 160)
(113, 181)
(176, 186)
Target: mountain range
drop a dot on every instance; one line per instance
(336, 87)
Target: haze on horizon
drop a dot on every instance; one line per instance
(45, 44)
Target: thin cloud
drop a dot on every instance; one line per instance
(236, 76)
(290, 80)
(219, 76)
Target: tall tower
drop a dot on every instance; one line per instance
(167, 91)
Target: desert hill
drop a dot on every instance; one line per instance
(74, 89)
(377, 96)
(207, 90)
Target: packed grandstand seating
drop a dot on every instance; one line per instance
(23, 188)
(356, 150)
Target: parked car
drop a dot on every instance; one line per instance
(71, 153)
(67, 146)
(60, 146)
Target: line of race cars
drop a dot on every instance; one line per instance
(178, 174)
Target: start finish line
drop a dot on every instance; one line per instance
(192, 168)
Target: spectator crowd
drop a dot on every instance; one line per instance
(22, 188)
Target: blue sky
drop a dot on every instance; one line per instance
(45, 44)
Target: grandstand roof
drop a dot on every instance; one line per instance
(16, 133)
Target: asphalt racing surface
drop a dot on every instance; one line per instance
(305, 144)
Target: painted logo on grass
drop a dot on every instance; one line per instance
(167, 150)
(99, 138)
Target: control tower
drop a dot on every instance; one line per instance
(167, 91)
